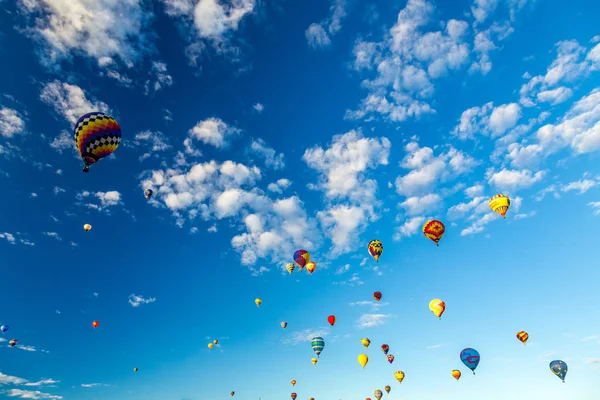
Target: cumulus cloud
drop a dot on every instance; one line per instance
(318, 35)
(52, 235)
(213, 131)
(107, 199)
(11, 122)
(487, 120)
(31, 394)
(279, 186)
(506, 179)
(272, 159)
(258, 107)
(69, 100)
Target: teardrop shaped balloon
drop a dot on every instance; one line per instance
(13, 342)
(388, 388)
(87, 227)
(399, 375)
(293, 396)
(365, 342)
(390, 358)
(331, 319)
(284, 324)
(318, 344)
(375, 248)
(559, 368)
(378, 393)
(301, 257)
(215, 341)
(210, 346)
(293, 381)
(437, 307)
(231, 393)
(470, 357)
(363, 359)
(148, 194)
(290, 267)
(523, 336)
(97, 135)
(4, 328)
(434, 230)
(385, 348)
(95, 324)
(314, 361)
(311, 266)
(456, 374)
(377, 296)
(500, 204)
(258, 302)
(135, 369)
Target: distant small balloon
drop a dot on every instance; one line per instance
(363, 360)
(13, 342)
(390, 358)
(210, 346)
(87, 227)
(331, 319)
(388, 388)
(377, 296)
(135, 370)
(385, 348)
(95, 324)
(456, 374)
(365, 342)
(399, 375)
(523, 337)
(4, 328)
(216, 341)
(258, 302)
(314, 361)
(283, 324)
(311, 266)
(559, 368)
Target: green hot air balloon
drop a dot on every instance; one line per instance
(317, 344)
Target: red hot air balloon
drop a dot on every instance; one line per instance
(331, 320)
(377, 296)
(95, 324)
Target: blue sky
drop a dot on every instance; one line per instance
(268, 126)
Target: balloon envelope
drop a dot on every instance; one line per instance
(311, 266)
(377, 296)
(331, 320)
(434, 230)
(385, 348)
(523, 336)
(470, 357)
(301, 257)
(437, 307)
(318, 344)
(559, 368)
(399, 375)
(500, 204)
(97, 135)
(4, 328)
(363, 359)
(375, 249)
(456, 374)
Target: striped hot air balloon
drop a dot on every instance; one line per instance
(437, 307)
(290, 267)
(317, 344)
(523, 336)
(434, 230)
(500, 204)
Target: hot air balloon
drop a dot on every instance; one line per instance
(399, 375)
(385, 348)
(95, 324)
(375, 248)
(368, 398)
(215, 341)
(378, 393)
(4, 328)
(13, 342)
(293, 396)
(290, 267)
(284, 324)
(523, 336)
(135, 369)
(317, 344)
(311, 398)
(500, 204)
(437, 307)
(377, 296)
(293, 381)
(311, 266)
(390, 358)
(258, 302)
(365, 342)
(301, 257)
(363, 359)
(87, 227)
(559, 368)
(231, 393)
(97, 135)
(210, 346)
(470, 357)
(456, 374)
(434, 230)
(148, 193)
(331, 320)
(314, 361)
(387, 388)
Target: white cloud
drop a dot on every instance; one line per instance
(49, 381)
(70, 28)
(151, 143)
(506, 179)
(8, 236)
(481, 9)
(213, 131)
(258, 107)
(26, 348)
(30, 394)
(64, 141)
(487, 120)
(374, 304)
(524, 215)
(52, 235)
(136, 300)
(69, 101)
(435, 346)
(594, 204)
(160, 78)
(305, 335)
(58, 190)
(410, 227)
(316, 36)
(419, 205)
(354, 280)
(279, 186)
(582, 185)
(273, 160)
(107, 199)
(319, 34)
(11, 380)
(342, 269)
(11, 122)
(474, 191)
(372, 320)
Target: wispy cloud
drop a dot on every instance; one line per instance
(26, 348)
(592, 361)
(353, 281)
(52, 235)
(48, 381)
(435, 346)
(305, 335)
(136, 300)
(371, 320)
(31, 394)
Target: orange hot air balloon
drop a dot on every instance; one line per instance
(87, 227)
(456, 374)
(293, 382)
(95, 324)
(377, 296)
(388, 388)
(437, 307)
(331, 320)
(523, 336)
(311, 266)
(434, 230)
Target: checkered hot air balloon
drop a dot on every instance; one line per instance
(97, 135)
(434, 230)
(317, 344)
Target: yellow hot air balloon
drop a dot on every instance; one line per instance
(456, 374)
(378, 393)
(434, 230)
(314, 361)
(500, 204)
(388, 388)
(210, 345)
(293, 382)
(290, 267)
(437, 307)
(399, 375)
(523, 336)
(365, 342)
(87, 227)
(363, 359)
(311, 266)
(135, 370)
(258, 302)
(215, 341)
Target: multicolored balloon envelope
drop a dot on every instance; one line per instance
(434, 230)
(470, 357)
(97, 135)
(399, 375)
(500, 204)
(377, 296)
(385, 348)
(523, 337)
(293, 396)
(388, 388)
(311, 266)
(148, 194)
(437, 307)
(378, 393)
(301, 257)
(365, 342)
(390, 358)
(290, 267)
(318, 344)
(456, 374)
(559, 368)
(375, 249)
